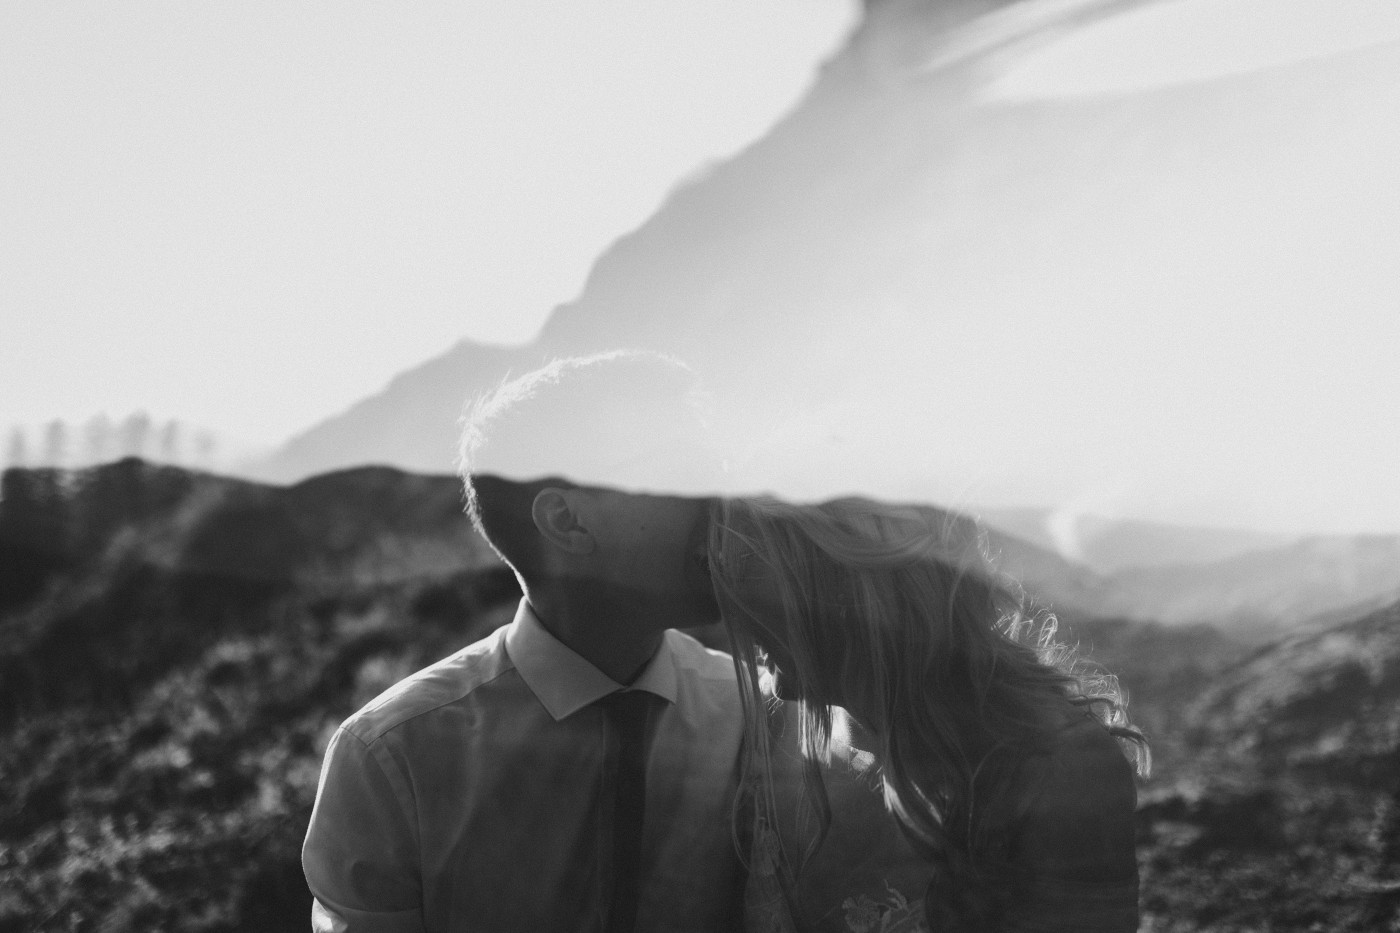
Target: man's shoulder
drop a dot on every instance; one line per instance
(443, 683)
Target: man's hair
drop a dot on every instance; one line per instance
(627, 419)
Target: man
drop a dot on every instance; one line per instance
(499, 789)
(578, 769)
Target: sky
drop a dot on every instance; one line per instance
(1293, 389)
(1182, 41)
(251, 215)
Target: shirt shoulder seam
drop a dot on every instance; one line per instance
(393, 723)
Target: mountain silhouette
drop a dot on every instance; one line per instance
(411, 424)
(921, 286)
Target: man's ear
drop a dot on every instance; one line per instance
(556, 518)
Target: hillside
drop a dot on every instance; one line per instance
(176, 649)
(1254, 596)
(1318, 706)
(1267, 590)
(1287, 801)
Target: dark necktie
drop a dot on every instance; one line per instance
(627, 717)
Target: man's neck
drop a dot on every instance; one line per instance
(617, 646)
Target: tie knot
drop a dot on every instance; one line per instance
(627, 707)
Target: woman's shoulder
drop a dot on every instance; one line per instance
(1070, 857)
(1085, 744)
(1082, 766)
(1081, 798)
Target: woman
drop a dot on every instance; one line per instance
(1000, 755)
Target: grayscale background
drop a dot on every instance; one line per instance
(1120, 277)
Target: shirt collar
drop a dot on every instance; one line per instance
(566, 682)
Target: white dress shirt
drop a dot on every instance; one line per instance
(473, 795)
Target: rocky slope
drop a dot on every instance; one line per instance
(1286, 805)
(174, 648)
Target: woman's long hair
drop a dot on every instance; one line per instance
(898, 612)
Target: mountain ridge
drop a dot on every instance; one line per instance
(905, 256)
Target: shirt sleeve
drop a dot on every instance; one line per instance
(360, 855)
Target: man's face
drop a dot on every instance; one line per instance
(651, 550)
